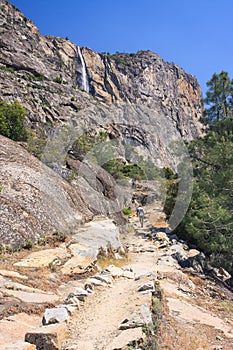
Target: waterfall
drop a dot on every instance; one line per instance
(85, 84)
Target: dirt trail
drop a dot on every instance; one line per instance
(96, 325)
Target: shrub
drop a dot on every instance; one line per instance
(7, 69)
(58, 80)
(169, 174)
(12, 119)
(127, 211)
(59, 236)
(28, 244)
(42, 241)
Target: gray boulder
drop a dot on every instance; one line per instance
(55, 315)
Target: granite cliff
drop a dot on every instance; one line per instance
(138, 100)
(156, 100)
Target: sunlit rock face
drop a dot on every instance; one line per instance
(150, 102)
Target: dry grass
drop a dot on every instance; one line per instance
(227, 305)
(108, 257)
(104, 261)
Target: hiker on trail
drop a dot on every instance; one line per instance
(140, 215)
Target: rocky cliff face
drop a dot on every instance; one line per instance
(143, 104)
(152, 102)
(34, 199)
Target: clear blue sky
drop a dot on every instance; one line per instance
(195, 34)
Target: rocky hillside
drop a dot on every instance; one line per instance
(141, 104)
(36, 201)
(151, 102)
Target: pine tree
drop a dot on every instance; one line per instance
(219, 97)
(208, 222)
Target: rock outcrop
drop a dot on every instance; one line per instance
(34, 199)
(147, 102)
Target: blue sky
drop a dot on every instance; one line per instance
(195, 34)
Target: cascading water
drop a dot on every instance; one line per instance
(85, 84)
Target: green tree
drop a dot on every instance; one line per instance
(4, 128)
(12, 120)
(219, 97)
(208, 222)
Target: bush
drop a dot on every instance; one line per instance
(28, 244)
(7, 69)
(58, 80)
(12, 119)
(59, 236)
(127, 211)
(169, 174)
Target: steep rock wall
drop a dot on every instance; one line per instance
(138, 92)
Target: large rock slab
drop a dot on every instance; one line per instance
(141, 317)
(78, 265)
(34, 199)
(47, 337)
(32, 297)
(43, 258)
(21, 287)
(126, 338)
(13, 274)
(193, 313)
(99, 234)
(13, 329)
(83, 250)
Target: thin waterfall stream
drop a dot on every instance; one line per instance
(85, 84)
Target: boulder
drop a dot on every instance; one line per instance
(78, 294)
(126, 338)
(78, 265)
(161, 236)
(150, 276)
(103, 278)
(140, 318)
(115, 271)
(221, 273)
(129, 274)
(47, 337)
(55, 315)
(72, 299)
(96, 281)
(147, 287)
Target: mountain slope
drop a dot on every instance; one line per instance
(153, 102)
(143, 105)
